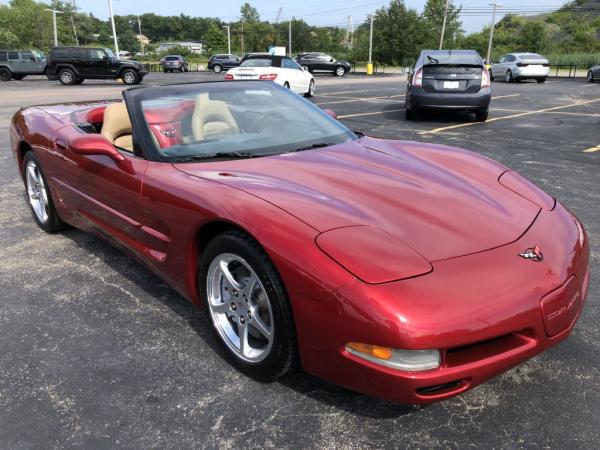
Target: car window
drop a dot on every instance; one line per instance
(3, 56)
(257, 62)
(60, 52)
(13, 55)
(288, 63)
(447, 58)
(27, 56)
(172, 58)
(79, 53)
(250, 118)
(97, 53)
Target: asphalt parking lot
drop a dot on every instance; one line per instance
(96, 352)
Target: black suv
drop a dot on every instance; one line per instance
(219, 62)
(72, 65)
(320, 62)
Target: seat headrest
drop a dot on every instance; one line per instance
(116, 122)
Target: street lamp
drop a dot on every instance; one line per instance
(370, 63)
(114, 31)
(489, 52)
(228, 39)
(54, 13)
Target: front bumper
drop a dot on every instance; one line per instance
(485, 312)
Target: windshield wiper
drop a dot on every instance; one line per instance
(313, 146)
(433, 60)
(218, 155)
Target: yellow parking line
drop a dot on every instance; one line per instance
(370, 113)
(592, 149)
(512, 116)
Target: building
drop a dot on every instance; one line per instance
(194, 47)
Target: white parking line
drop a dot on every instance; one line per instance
(505, 96)
(332, 94)
(370, 113)
(361, 99)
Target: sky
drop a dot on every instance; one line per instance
(334, 12)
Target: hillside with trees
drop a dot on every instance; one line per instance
(569, 35)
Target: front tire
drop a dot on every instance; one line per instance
(590, 77)
(130, 77)
(217, 68)
(67, 77)
(509, 77)
(340, 71)
(311, 89)
(248, 306)
(481, 116)
(39, 197)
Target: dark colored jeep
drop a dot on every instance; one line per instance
(17, 64)
(72, 65)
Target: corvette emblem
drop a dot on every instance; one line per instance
(533, 254)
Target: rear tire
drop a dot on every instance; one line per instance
(266, 357)
(44, 213)
(481, 116)
(5, 74)
(311, 89)
(509, 77)
(217, 68)
(541, 80)
(67, 77)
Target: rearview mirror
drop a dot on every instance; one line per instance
(330, 113)
(95, 144)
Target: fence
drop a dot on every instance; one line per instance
(158, 67)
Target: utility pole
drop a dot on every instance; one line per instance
(73, 23)
(140, 32)
(290, 36)
(370, 63)
(242, 35)
(489, 52)
(228, 39)
(444, 25)
(54, 13)
(114, 31)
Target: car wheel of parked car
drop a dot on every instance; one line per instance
(39, 197)
(340, 71)
(509, 77)
(130, 77)
(5, 74)
(66, 77)
(51, 77)
(165, 70)
(247, 304)
(590, 76)
(217, 68)
(481, 116)
(541, 80)
(410, 114)
(311, 89)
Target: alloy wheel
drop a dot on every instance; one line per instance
(340, 71)
(36, 191)
(240, 307)
(67, 77)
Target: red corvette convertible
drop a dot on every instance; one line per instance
(411, 272)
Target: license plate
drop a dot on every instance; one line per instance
(451, 84)
(243, 75)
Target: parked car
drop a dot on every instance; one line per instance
(174, 62)
(407, 271)
(218, 63)
(73, 65)
(279, 69)
(594, 74)
(17, 64)
(321, 62)
(449, 79)
(521, 66)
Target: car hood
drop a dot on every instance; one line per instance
(441, 201)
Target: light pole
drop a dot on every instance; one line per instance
(370, 63)
(489, 52)
(141, 36)
(444, 25)
(228, 39)
(114, 31)
(54, 13)
(290, 36)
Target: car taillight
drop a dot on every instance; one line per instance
(522, 65)
(228, 76)
(485, 79)
(418, 78)
(268, 76)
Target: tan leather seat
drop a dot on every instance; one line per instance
(117, 126)
(212, 118)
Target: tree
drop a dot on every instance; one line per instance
(249, 13)
(8, 39)
(215, 39)
(433, 19)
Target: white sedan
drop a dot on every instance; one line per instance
(280, 69)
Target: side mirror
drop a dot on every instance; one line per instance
(95, 144)
(330, 113)
(305, 68)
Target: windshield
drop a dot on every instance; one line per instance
(459, 59)
(172, 58)
(234, 120)
(257, 62)
(110, 53)
(532, 57)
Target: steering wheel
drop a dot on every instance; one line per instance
(260, 123)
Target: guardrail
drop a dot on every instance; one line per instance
(560, 70)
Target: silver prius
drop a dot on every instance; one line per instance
(521, 66)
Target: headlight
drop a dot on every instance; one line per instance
(407, 360)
